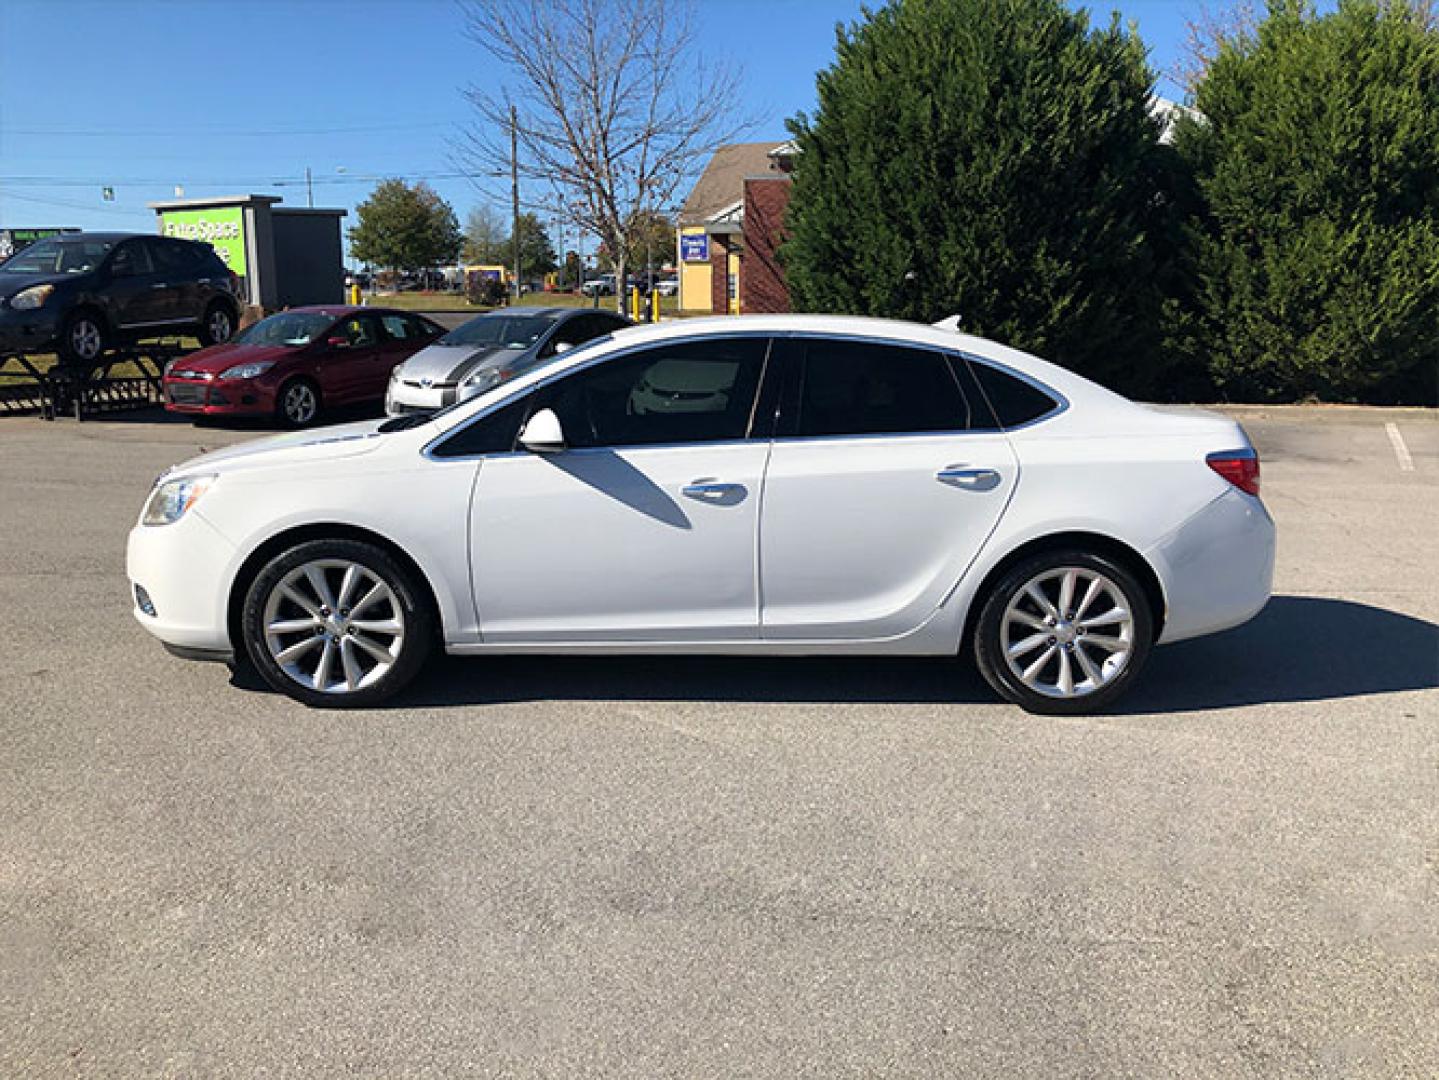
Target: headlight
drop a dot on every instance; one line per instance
(485, 378)
(248, 371)
(171, 498)
(31, 298)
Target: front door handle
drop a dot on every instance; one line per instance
(160, 285)
(712, 491)
(971, 479)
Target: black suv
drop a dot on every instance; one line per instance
(85, 293)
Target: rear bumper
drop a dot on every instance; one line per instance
(1217, 568)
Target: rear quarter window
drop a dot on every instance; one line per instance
(1014, 401)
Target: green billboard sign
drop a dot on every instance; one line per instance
(222, 227)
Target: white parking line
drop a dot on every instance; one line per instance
(1406, 463)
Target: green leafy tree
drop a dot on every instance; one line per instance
(991, 158)
(537, 254)
(405, 227)
(1316, 255)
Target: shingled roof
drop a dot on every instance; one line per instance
(722, 183)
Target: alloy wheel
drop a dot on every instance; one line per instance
(220, 327)
(85, 339)
(333, 626)
(1067, 632)
(299, 404)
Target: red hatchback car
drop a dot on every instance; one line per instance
(298, 363)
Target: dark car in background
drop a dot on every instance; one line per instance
(83, 294)
(297, 364)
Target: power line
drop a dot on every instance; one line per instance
(191, 133)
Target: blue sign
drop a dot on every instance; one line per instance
(694, 247)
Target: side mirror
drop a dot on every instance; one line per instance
(543, 434)
(338, 342)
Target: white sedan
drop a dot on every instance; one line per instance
(767, 485)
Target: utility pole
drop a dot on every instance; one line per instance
(515, 192)
(309, 187)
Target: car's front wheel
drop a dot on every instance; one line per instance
(298, 403)
(1064, 632)
(338, 623)
(84, 337)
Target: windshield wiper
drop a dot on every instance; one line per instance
(404, 423)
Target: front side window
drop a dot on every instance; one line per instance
(359, 331)
(698, 391)
(131, 258)
(871, 388)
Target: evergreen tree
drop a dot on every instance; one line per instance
(991, 158)
(1316, 258)
(405, 227)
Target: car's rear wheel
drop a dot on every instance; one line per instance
(1064, 632)
(218, 325)
(298, 403)
(337, 623)
(84, 337)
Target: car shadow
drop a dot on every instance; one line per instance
(1298, 649)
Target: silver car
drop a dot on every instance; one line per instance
(488, 350)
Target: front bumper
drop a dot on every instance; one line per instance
(195, 397)
(184, 572)
(403, 398)
(28, 331)
(1217, 568)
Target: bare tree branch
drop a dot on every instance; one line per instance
(616, 106)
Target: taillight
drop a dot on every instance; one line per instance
(1239, 467)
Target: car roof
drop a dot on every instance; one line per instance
(339, 311)
(106, 237)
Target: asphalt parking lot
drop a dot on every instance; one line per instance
(706, 867)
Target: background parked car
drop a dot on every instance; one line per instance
(489, 349)
(298, 363)
(86, 293)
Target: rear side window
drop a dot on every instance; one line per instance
(871, 388)
(1014, 401)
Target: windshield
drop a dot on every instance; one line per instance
(292, 328)
(511, 331)
(59, 256)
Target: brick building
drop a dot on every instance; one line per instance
(730, 229)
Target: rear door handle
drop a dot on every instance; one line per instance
(964, 477)
(160, 285)
(712, 491)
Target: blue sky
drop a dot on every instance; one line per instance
(234, 96)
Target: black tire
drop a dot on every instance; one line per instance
(218, 324)
(408, 604)
(288, 408)
(991, 636)
(84, 339)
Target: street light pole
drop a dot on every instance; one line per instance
(515, 192)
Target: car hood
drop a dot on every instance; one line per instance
(451, 363)
(218, 358)
(323, 444)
